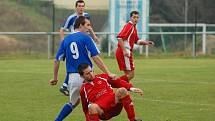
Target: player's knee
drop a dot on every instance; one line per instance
(78, 101)
(130, 75)
(93, 108)
(74, 103)
(122, 92)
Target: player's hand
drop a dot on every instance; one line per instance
(125, 52)
(112, 76)
(53, 82)
(136, 90)
(96, 39)
(151, 43)
(90, 28)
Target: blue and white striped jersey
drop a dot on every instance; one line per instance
(69, 23)
(75, 48)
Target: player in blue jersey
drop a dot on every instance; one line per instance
(76, 48)
(69, 26)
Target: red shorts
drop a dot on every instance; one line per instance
(109, 106)
(124, 63)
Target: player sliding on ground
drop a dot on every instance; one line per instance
(76, 48)
(99, 101)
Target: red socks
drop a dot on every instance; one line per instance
(94, 117)
(124, 77)
(129, 107)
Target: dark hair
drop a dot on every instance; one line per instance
(82, 67)
(79, 1)
(79, 21)
(133, 12)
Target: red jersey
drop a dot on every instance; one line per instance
(99, 88)
(129, 35)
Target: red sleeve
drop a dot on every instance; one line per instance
(117, 83)
(136, 36)
(84, 103)
(125, 32)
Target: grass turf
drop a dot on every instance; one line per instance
(174, 90)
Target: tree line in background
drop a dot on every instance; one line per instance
(161, 11)
(174, 11)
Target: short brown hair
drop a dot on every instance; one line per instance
(133, 12)
(79, 21)
(79, 1)
(82, 67)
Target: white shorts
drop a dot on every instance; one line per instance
(74, 85)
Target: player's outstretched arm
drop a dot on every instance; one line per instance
(62, 34)
(102, 66)
(95, 38)
(84, 103)
(56, 68)
(144, 42)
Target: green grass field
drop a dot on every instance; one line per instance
(174, 90)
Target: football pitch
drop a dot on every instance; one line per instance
(174, 90)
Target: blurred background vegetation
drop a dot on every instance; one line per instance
(37, 16)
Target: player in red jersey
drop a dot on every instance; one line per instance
(99, 101)
(126, 40)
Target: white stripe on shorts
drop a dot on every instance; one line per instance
(127, 61)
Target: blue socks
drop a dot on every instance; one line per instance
(65, 111)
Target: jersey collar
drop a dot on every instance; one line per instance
(132, 23)
(76, 31)
(78, 15)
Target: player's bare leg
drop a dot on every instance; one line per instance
(76, 104)
(129, 74)
(94, 108)
(94, 112)
(121, 93)
(123, 96)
